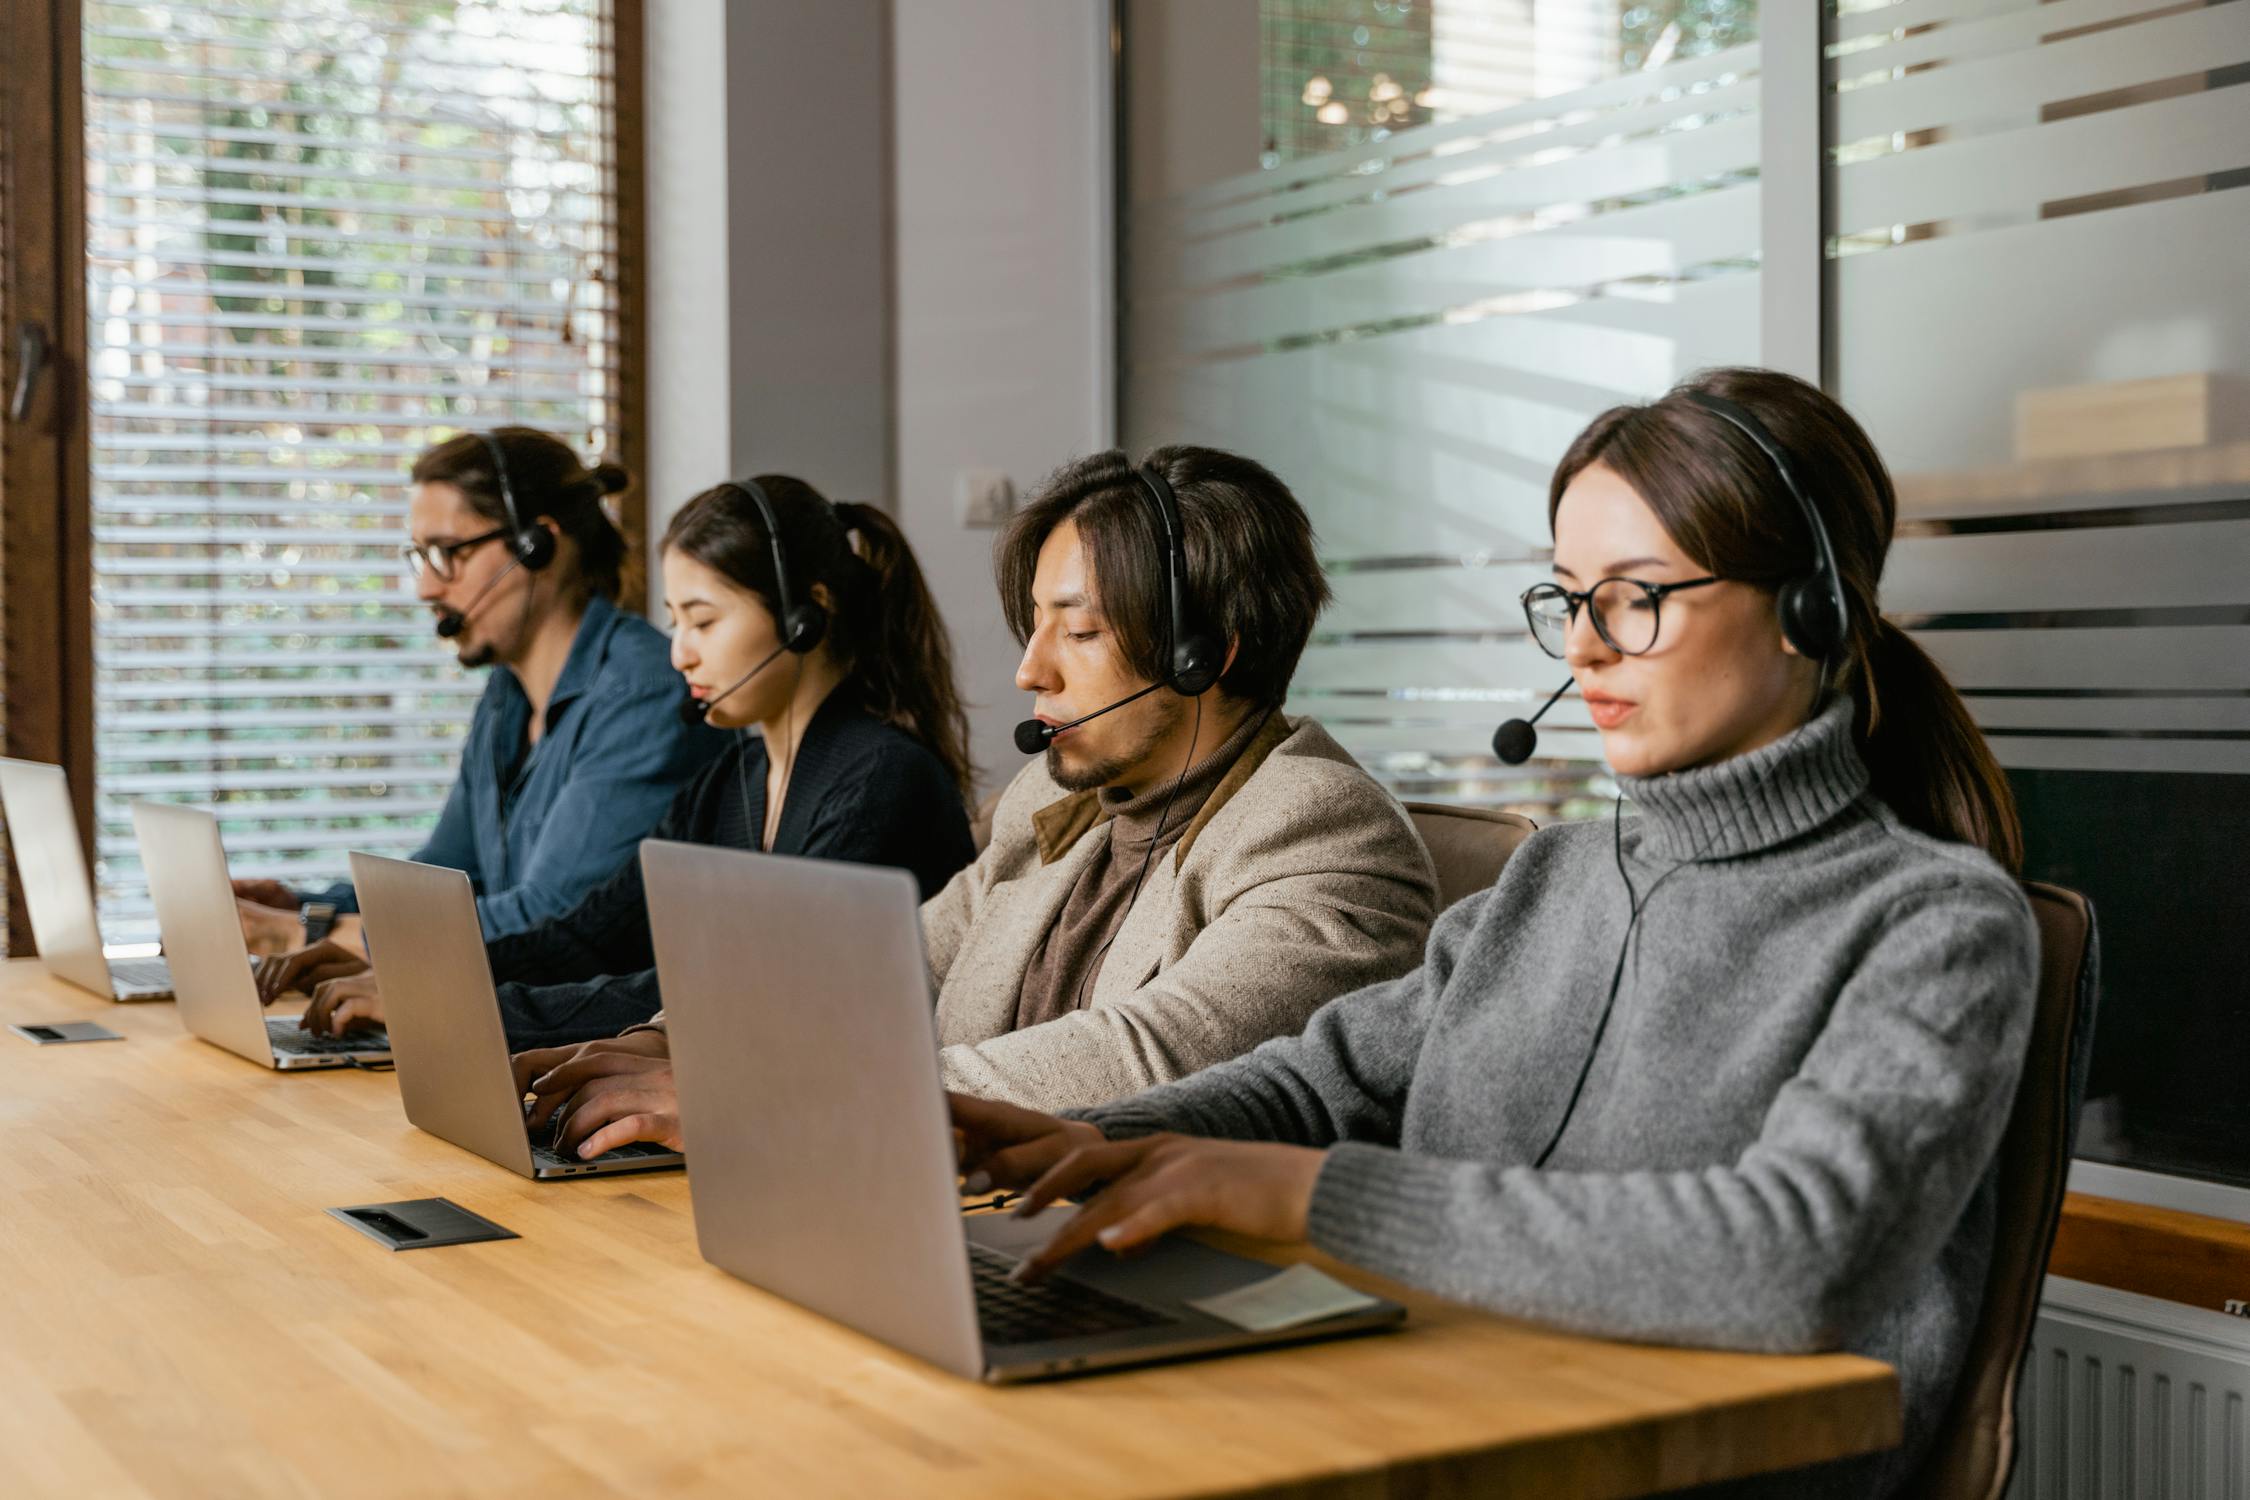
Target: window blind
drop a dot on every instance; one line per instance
(321, 235)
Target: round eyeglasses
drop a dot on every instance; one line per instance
(440, 559)
(1625, 612)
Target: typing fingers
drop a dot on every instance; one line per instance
(660, 1127)
(1020, 1164)
(1130, 1212)
(1082, 1167)
(539, 1060)
(612, 1101)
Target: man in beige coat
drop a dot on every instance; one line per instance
(1186, 871)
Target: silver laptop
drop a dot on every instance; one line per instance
(803, 1046)
(58, 892)
(212, 975)
(446, 1036)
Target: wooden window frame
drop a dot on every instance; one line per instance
(46, 483)
(46, 529)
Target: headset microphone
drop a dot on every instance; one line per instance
(1514, 741)
(454, 621)
(1034, 735)
(695, 710)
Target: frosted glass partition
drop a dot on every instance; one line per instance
(2041, 309)
(1410, 332)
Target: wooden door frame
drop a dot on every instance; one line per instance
(46, 519)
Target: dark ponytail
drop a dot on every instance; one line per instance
(1721, 499)
(884, 626)
(898, 645)
(1925, 756)
(548, 479)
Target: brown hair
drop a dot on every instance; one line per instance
(884, 626)
(1253, 577)
(548, 479)
(1726, 505)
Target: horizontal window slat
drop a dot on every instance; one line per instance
(271, 506)
(544, 306)
(128, 418)
(385, 598)
(241, 474)
(229, 567)
(250, 198)
(596, 237)
(126, 165)
(252, 843)
(217, 783)
(246, 666)
(516, 332)
(276, 15)
(561, 129)
(232, 686)
(514, 389)
(236, 721)
(120, 438)
(398, 627)
(385, 806)
(237, 135)
(511, 271)
(370, 752)
(315, 355)
(386, 538)
(309, 101)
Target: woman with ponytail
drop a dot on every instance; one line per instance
(860, 750)
(1731, 1071)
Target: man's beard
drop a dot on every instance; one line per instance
(1110, 772)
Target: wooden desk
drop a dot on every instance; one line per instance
(180, 1318)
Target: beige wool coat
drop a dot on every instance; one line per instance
(1300, 879)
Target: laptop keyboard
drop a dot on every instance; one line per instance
(544, 1154)
(141, 973)
(287, 1036)
(1009, 1312)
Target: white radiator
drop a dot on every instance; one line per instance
(2130, 1396)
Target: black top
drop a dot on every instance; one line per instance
(862, 790)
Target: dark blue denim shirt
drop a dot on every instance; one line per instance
(536, 831)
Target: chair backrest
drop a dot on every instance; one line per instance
(1468, 844)
(1975, 1446)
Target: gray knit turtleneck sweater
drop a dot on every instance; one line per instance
(1786, 1139)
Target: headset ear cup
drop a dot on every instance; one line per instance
(534, 547)
(1196, 661)
(1809, 618)
(806, 627)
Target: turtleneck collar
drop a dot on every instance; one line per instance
(1756, 801)
(1134, 816)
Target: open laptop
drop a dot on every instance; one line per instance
(59, 894)
(446, 1037)
(804, 1050)
(212, 975)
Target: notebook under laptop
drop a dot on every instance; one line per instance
(212, 974)
(805, 1055)
(446, 1037)
(59, 894)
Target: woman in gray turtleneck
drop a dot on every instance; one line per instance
(1729, 1072)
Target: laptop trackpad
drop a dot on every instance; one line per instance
(1173, 1270)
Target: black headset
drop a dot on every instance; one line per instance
(1193, 655)
(1814, 617)
(803, 626)
(532, 545)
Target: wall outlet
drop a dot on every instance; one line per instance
(983, 497)
(2238, 1306)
